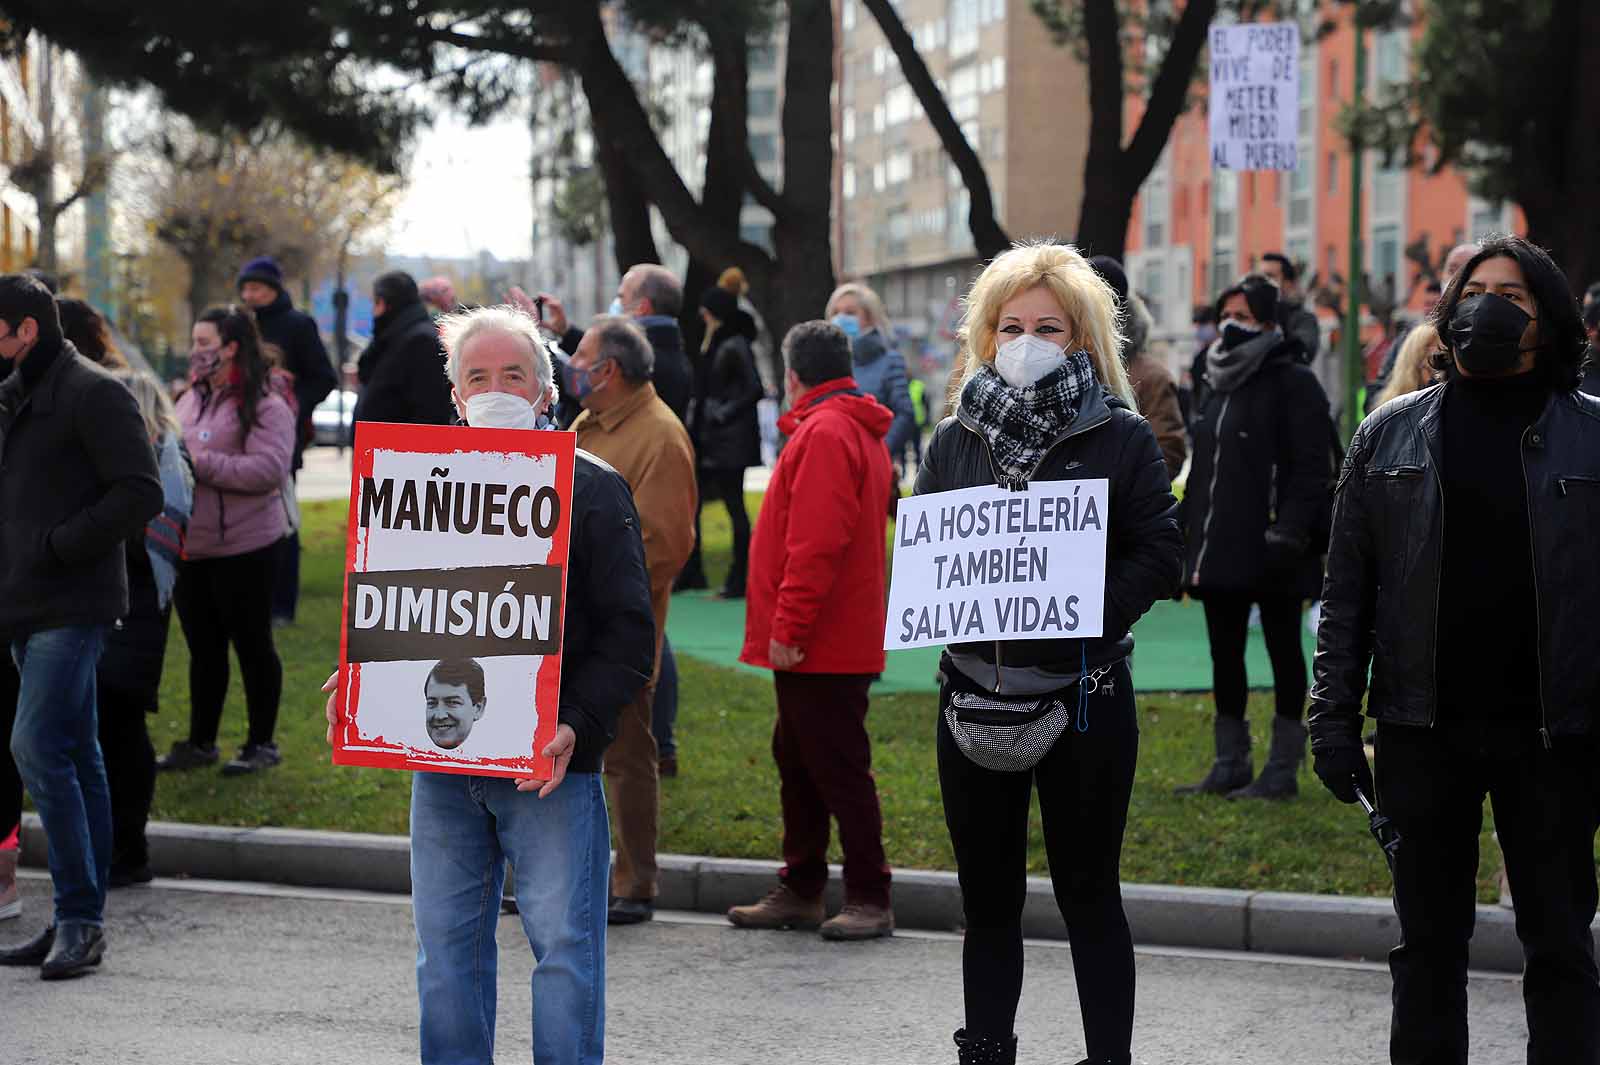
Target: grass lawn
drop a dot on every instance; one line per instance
(726, 801)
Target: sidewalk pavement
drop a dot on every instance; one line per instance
(1324, 926)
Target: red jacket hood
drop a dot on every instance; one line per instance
(842, 395)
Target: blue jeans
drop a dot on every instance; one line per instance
(463, 828)
(664, 711)
(56, 744)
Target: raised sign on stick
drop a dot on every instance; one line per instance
(1255, 96)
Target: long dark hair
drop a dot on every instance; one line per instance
(85, 329)
(236, 325)
(1562, 338)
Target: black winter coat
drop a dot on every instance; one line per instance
(1263, 457)
(295, 334)
(1380, 603)
(77, 477)
(1144, 544)
(402, 372)
(608, 641)
(673, 378)
(726, 430)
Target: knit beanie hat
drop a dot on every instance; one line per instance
(1114, 275)
(264, 269)
(722, 304)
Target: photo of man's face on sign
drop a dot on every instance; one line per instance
(454, 700)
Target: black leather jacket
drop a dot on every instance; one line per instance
(1144, 544)
(1380, 601)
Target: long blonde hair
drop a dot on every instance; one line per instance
(1413, 370)
(1089, 302)
(869, 301)
(155, 406)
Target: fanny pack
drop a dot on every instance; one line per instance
(1011, 735)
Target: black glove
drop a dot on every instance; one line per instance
(1285, 547)
(1341, 769)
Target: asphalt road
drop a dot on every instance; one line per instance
(202, 972)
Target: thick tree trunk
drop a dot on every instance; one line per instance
(627, 206)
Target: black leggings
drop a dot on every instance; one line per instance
(1228, 626)
(130, 772)
(1084, 785)
(728, 487)
(222, 601)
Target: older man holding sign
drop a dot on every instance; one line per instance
(1043, 527)
(497, 576)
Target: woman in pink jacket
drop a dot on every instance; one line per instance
(240, 434)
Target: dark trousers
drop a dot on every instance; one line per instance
(131, 774)
(1084, 783)
(1228, 627)
(1431, 784)
(222, 601)
(10, 779)
(824, 761)
(286, 576)
(664, 708)
(726, 486)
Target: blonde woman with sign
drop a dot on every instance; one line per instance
(1045, 402)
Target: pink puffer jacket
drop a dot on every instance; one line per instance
(238, 491)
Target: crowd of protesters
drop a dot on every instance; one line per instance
(1479, 425)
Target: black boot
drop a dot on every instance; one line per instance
(1277, 779)
(979, 1050)
(78, 948)
(1233, 769)
(31, 952)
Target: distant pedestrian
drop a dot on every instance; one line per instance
(878, 368)
(302, 354)
(1256, 511)
(1462, 578)
(402, 369)
(814, 615)
(240, 435)
(1046, 399)
(554, 832)
(1153, 387)
(726, 430)
(1295, 319)
(129, 676)
(439, 295)
(627, 425)
(77, 478)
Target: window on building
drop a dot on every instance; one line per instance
(847, 124)
(878, 180)
(1225, 203)
(963, 27)
(847, 15)
(1222, 271)
(763, 57)
(897, 105)
(897, 167)
(764, 147)
(997, 76)
(1300, 192)
(1387, 185)
(1333, 79)
(848, 181)
(1333, 174)
(1152, 286)
(1386, 251)
(763, 103)
(1155, 201)
(877, 118)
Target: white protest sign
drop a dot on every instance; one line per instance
(980, 564)
(1255, 96)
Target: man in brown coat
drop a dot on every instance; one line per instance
(626, 424)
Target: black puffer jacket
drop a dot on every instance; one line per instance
(726, 431)
(1107, 440)
(402, 372)
(1380, 602)
(1263, 458)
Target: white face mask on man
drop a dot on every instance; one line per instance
(501, 410)
(1025, 360)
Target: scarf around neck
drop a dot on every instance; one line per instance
(1020, 424)
(1227, 370)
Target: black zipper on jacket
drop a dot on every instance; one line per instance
(1070, 432)
(1563, 483)
(1538, 611)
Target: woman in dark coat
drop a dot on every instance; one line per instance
(1256, 515)
(726, 431)
(128, 680)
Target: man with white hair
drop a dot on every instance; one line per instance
(464, 828)
(626, 423)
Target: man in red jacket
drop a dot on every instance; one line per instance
(815, 616)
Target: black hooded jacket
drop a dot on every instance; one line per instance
(402, 371)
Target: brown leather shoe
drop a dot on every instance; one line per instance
(859, 920)
(781, 908)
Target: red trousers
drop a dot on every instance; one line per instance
(825, 769)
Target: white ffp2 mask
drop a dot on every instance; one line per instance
(501, 410)
(1025, 360)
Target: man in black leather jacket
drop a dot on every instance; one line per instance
(1460, 569)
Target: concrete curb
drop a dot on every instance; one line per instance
(1328, 926)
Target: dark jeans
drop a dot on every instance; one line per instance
(1084, 783)
(664, 710)
(727, 486)
(1228, 626)
(1431, 784)
(824, 761)
(131, 773)
(222, 601)
(10, 779)
(286, 576)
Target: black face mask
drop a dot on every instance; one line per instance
(1486, 334)
(1234, 334)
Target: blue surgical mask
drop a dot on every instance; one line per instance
(849, 324)
(579, 382)
(616, 307)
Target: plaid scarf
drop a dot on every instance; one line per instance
(1020, 424)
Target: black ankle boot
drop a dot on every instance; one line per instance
(981, 1050)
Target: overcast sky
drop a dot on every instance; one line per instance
(469, 192)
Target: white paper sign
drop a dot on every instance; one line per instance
(981, 564)
(1255, 96)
